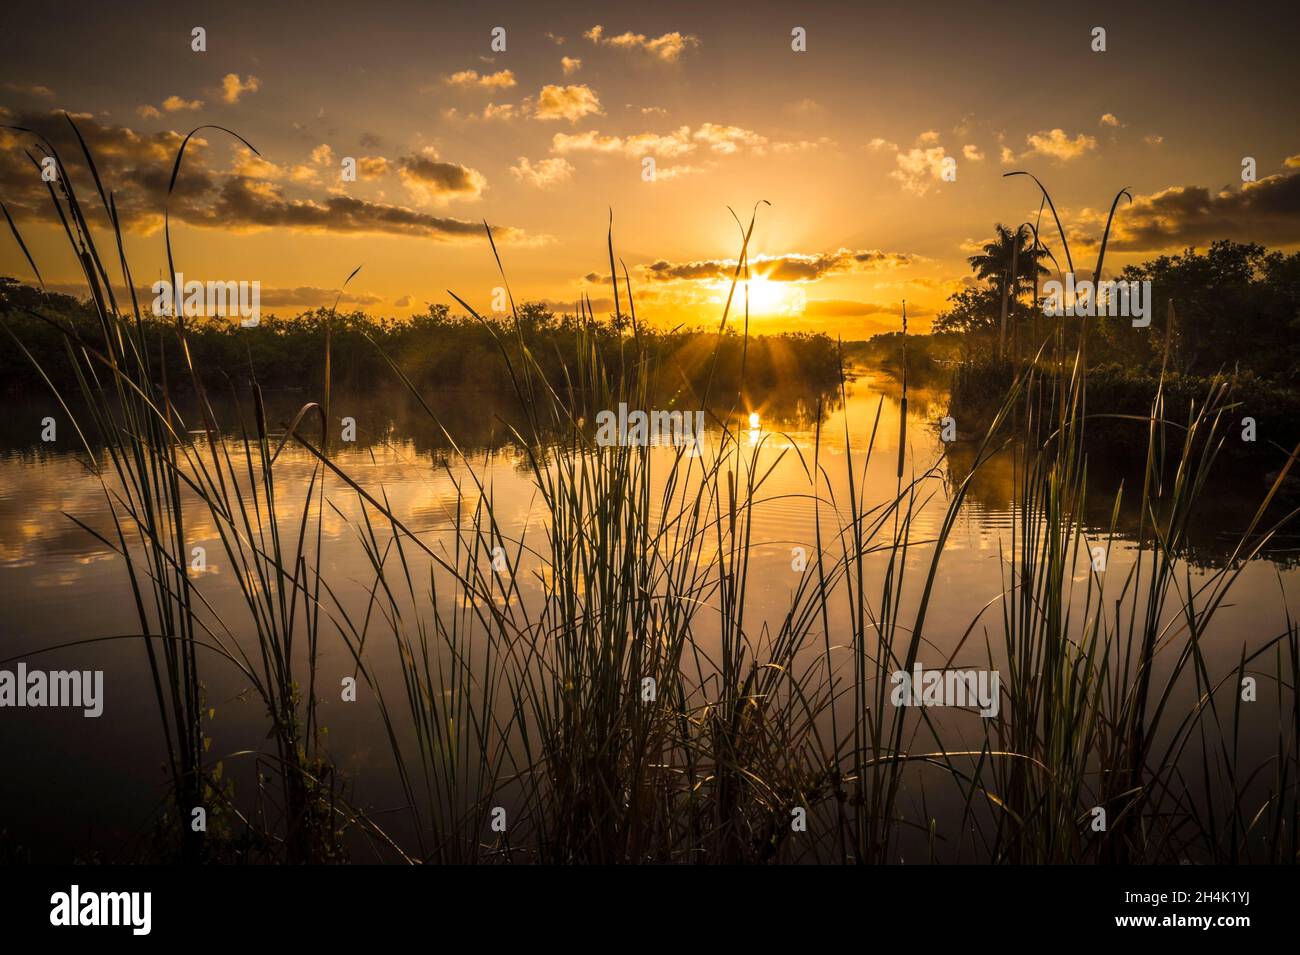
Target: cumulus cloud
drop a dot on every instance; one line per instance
(791, 267)
(667, 48)
(433, 181)
(567, 102)
(246, 197)
(728, 139)
(174, 104)
(469, 79)
(543, 174)
(972, 153)
(232, 87)
(1267, 211)
(373, 167)
(1109, 119)
(918, 168)
(243, 205)
(715, 138)
(1057, 144)
(668, 145)
(570, 65)
(492, 111)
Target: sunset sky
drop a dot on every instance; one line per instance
(845, 141)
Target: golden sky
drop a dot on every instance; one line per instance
(847, 141)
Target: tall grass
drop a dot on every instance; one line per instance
(597, 680)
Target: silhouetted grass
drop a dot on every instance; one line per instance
(626, 705)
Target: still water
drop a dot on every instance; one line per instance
(78, 788)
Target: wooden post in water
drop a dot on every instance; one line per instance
(902, 409)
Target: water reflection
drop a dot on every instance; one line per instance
(62, 584)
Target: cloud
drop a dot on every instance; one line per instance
(1110, 119)
(799, 145)
(1007, 156)
(249, 164)
(322, 155)
(567, 102)
(1292, 162)
(431, 180)
(467, 79)
(174, 104)
(791, 267)
(29, 89)
(232, 87)
(492, 111)
(972, 153)
(570, 65)
(669, 173)
(404, 302)
(373, 167)
(919, 168)
(642, 144)
(1153, 139)
(1057, 144)
(242, 205)
(667, 48)
(148, 112)
(878, 144)
(137, 167)
(728, 139)
(543, 174)
(1267, 211)
(718, 139)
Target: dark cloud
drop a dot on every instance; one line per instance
(436, 180)
(137, 168)
(250, 203)
(793, 267)
(1267, 211)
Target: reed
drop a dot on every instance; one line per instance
(598, 675)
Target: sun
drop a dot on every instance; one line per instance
(773, 298)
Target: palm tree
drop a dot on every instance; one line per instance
(994, 263)
(1017, 252)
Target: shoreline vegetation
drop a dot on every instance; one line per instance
(437, 350)
(630, 709)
